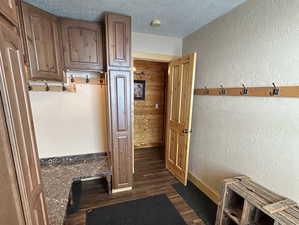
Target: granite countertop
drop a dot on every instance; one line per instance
(58, 176)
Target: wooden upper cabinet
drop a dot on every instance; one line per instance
(118, 39)
(82, 45)
(43, 39)
(8, 8)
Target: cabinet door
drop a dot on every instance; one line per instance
(9, 10)
(118, 39)
(82, 45)
(44, 44)
(20, 126)
(120, 108)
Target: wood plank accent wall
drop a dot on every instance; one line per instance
(149, 120)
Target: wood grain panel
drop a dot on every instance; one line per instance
(8, 8)
(11, 210)
(120, 108)
(82, 44)
(43, 37)
(149, 120)
(180, 101)
(20, 125)
(121, 94)
(123, 153)
(120, 31)
(118, 39)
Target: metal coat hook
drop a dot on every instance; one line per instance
(222, 90)
(72, 79)
(47, 86)
(87, 79)
(275, 90)
(139, 73)
(207, 92)
(244, 90)
(63, 87)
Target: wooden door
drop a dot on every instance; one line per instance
(179, 115)
(120, 107)
(20, 126)
(9, 10)
(11, 210)
(44, 44)
(82, 45)
(118, 30)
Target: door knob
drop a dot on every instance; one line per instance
(186, 131)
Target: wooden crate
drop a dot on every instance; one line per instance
(245, 202)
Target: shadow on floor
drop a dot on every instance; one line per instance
(198, 201)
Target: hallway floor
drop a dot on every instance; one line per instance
(150, 178)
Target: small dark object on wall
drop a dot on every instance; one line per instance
(244, 90)
(63, 87)
(274, 91)
(139, 89)
(222, 90)
(47, 86)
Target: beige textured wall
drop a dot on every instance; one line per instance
(256, 43)
(70, 123)
(156, 44)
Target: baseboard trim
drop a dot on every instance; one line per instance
(208, 191)
(121, 190)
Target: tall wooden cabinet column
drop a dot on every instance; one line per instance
(118, 53)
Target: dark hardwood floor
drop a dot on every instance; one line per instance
(150, 178)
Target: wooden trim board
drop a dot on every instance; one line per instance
(151, 145)
(53, 88)
(153, 57)
(208, 191)
(283, 91)
(121, 190)
(90, 80)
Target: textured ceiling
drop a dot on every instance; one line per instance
(178, 17)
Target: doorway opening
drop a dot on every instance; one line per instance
(163, 100)
(150, 85)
